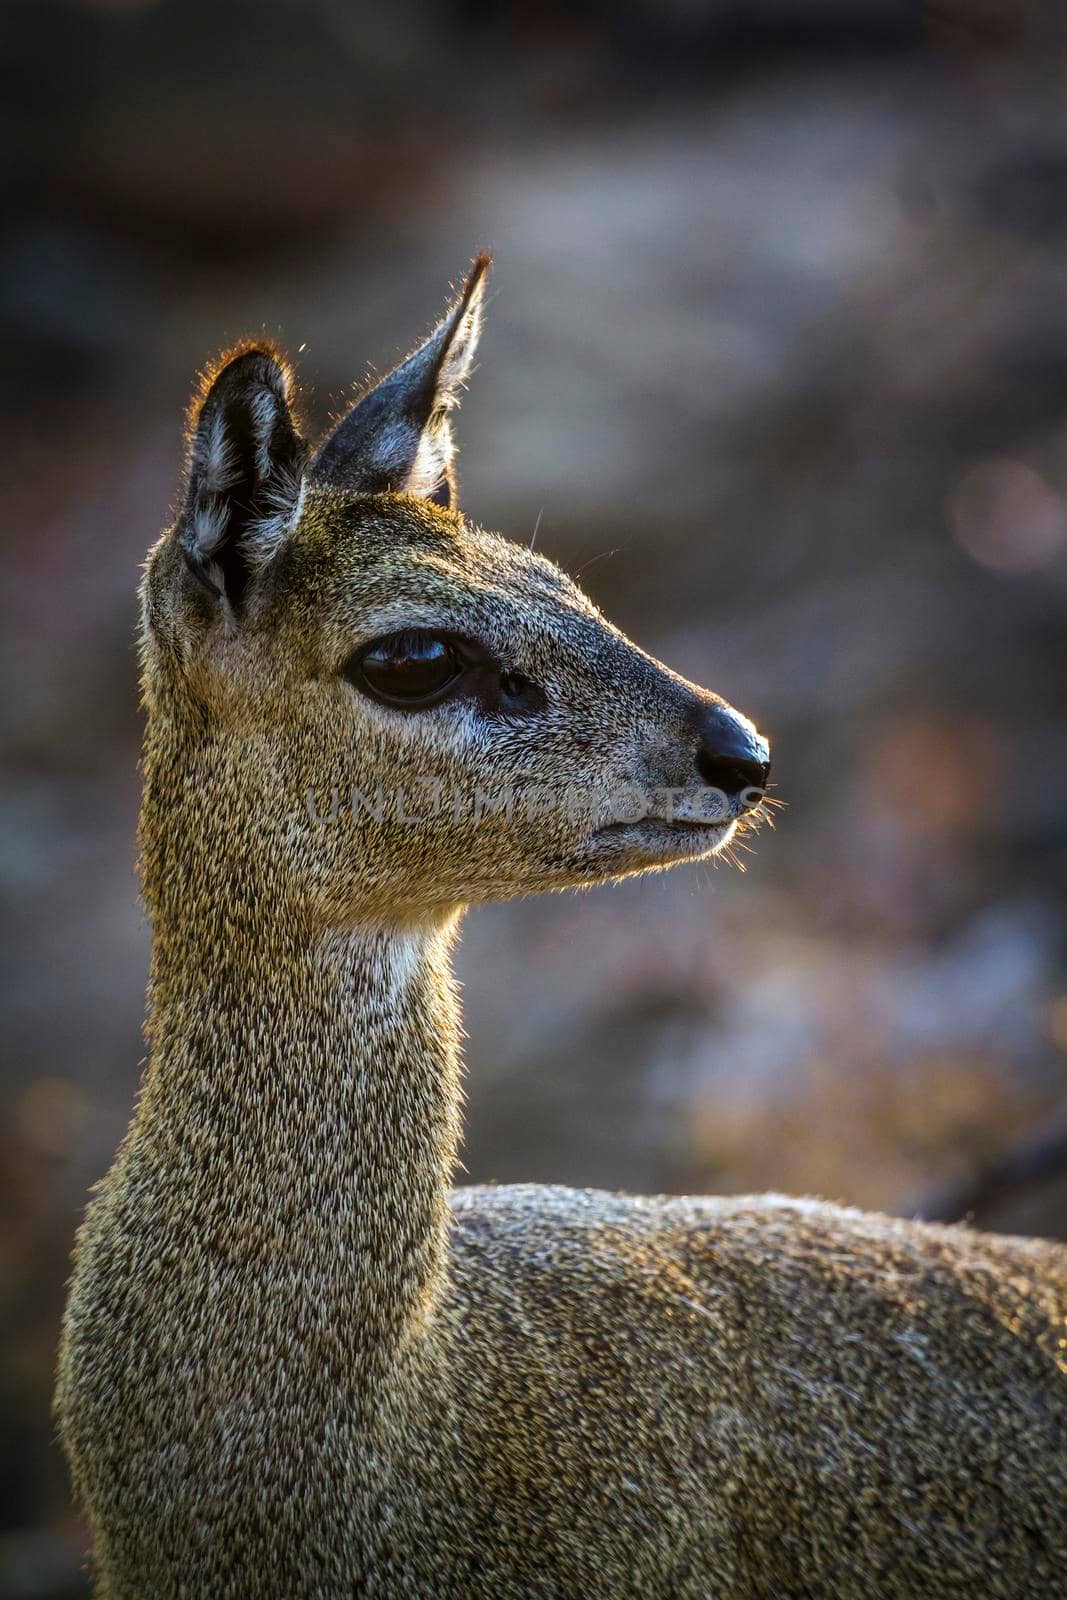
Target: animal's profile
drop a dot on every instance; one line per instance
(294, 1362)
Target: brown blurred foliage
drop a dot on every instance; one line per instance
(777, 363)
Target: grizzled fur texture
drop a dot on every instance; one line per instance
(294, 1363)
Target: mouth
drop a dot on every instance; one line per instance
(653, 841)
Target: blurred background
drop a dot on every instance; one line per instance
(777, 363)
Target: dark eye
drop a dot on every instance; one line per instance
(408, 669)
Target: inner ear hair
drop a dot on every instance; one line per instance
(245, 465)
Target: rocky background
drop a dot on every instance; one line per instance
(777, 362)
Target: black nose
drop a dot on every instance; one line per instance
(732, 755)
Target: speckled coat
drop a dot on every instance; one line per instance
(294, 1363)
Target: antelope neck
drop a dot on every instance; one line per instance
(322, 1072)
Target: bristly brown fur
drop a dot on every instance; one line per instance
(295, 1365)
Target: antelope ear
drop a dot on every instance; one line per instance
(244, 472)
(398, 437)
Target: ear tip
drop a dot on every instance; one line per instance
(244, 368)
(253, 359)
(475, 279)
(251, 363)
